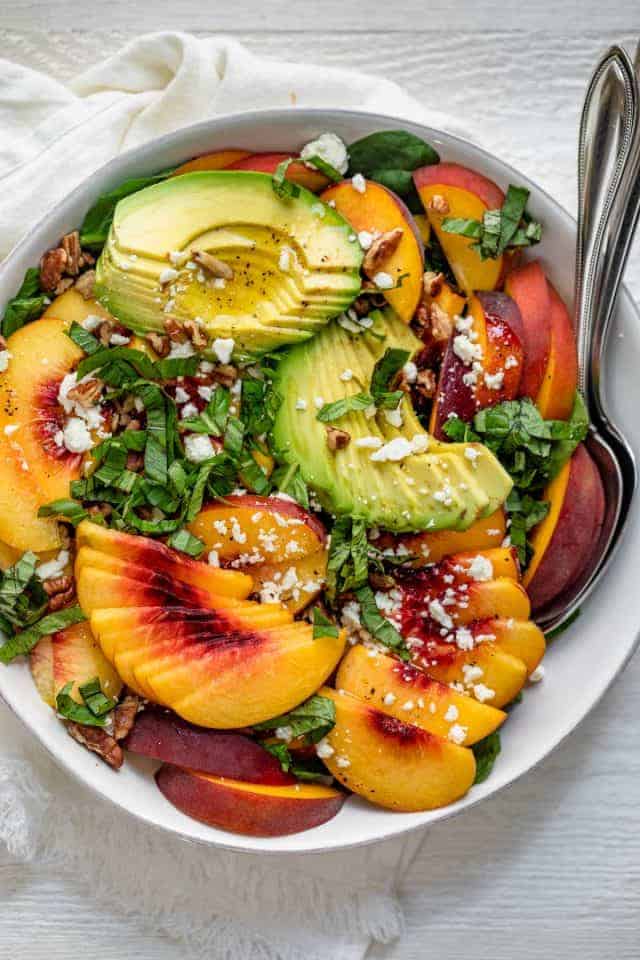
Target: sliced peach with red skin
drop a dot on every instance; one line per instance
(72, 307)
(144, 552)
(394, 764)
(503, 560)
(557, 392)
(257, 810)
(564, 541)
(73, 656)
(379, 210)
(528, 287)
(219, 160)
(469, 195)
(404, 691)
(297, 171)
(163, 736)
(499, 671)
(33, 468)
(296, 592)
(465, 601)
(432, 546)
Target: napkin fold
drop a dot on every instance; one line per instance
(215, 903)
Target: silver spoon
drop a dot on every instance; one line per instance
(608, 211)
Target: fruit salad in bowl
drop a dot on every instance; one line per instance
(290, 462)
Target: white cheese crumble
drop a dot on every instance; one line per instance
(439, 614)
(370, 443)
(213, 559)
(76, 436)
(119, 340)
(510, 362)
(198, 447)
(494, 381)
(365, 239)
(301, 404)
(482, 692)
(5, 356)
(181, 395)
(168, 275)
(284, 260)
(396, 449)
(284, 733)
(410, 372)
(480, 568)
(452, 713)
(180, 351)
(383, 281)
(324, 749)
(189, 410)
(457, 734)
(223, 348)
(472, 454)
(53, 568)
(358, 183)
(178, 257)
(346, 375)
(327, 147)
(537, 675)
(389, 699)
(465, 349)
(91, 322)
(11, 429)
(343, 762)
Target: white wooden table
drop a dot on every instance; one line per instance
(551, 868)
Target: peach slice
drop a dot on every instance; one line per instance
(379, 210)
(8, 555)
(528, 287)
(144, 552)
(557, 392)
(521, 638)
(71, 307)
(71, 656)
(33, 468)
(563, 542)
(297, 171)
(258, 810)
(404, 691)
(225, 670)
(461, 193)
(500, 672)
(219, 160)
(394, 764)
(459, 600)
(295, 585)
(432, 546)
(163, 736)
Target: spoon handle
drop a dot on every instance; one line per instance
(608, 209)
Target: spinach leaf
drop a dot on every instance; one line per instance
(390, 157)
(22, 643)
(308, 769)
(486, 753)
(312, 720)
(28, 303)
(322, 626)
(97, 222)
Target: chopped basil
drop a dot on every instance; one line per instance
(22, 643)
(22, 597)
(308, 769)
(499, 229)
(28, 303)
(94, 708)
(486, 753)
(389, 157)
(386, 370)
(331, 412)
(173, 367)
(322, 626)
(234, 437)
(283, 188)
(95, 699)
(118, 365)
(65, 509)
(185, 542)
(97, 222)
(213, 418)
(325, 168)
(377, 625)
(312, 720)
(85, 340)
(348, 562)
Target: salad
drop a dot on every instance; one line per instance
(290, 459)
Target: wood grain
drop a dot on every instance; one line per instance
(551, 868)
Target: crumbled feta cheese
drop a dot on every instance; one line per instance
(53, 568)
(439, 614)
(284, 733)
(494, 381)
(482, 692)
(394, 417)
(452, 713)
(189, 410)
(76, 436)
(284, 260)
(410, 371)
(324, 750)
(471, 672)
(327, 147)
(370, 443)
(5, 356)
(119, 340)
(301, 404)
(213, 559)
(168, 275)
(465, 349)
(223, 348)
(346, 375)
(407, 705)
(457, 734)
(383, 281)
(464, 639)
(11, 429)
(359, 183)
(180, 351)
(480, 568)
(318, 402)
(472, 454)
(396, 449)
(537, 675)
(420, 443)
(198, 447)
(365, 239)
(510, 362)
(389, 699)
(343, 762)
(181, 395)
(91, 322)
(178, 257)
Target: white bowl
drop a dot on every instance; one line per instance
(580, 665)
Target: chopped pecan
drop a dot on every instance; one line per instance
(425, 384)
(86, 259)
(104, 332)
(432, 283)
(173, 328)
(381, 581)
(70, 243)
(85, 284)
(87, 392)
(441, 322)
(160, 344)
(135, 461)
(56, 585)
(124, 716)
(217, 268)
(52, 266)
(103, 509)
(195, 333)
(98, 741)
(60, 600)
(337, 439)
(439, 204)
(225, 374)
(380, 251)
(65, 284)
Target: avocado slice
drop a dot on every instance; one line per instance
(295, 261)
(447, 487)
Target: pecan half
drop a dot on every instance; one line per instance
(52, 266)
(432, 283)
(104, 332)
(87, 392)
(441, 323)
(70, 243)
(56, 585)
(159, 344)
(98, 741)
(65, 284)
(173, 328)
(225, 374)
(62, 599)
(337, 439)
(439, 204)
(381, 581)
(85, 284)
(380, 251)
(195, 333)
(124, 716)
(217, 268)
(425, 384)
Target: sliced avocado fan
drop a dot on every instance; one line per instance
(436, 486)
(291, 263)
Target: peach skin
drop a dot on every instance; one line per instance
(219, 160)
(560, 382)
(73, 656)
(432, 546)
(528, 287)
(297, 172)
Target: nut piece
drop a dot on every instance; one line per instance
(337, 439)
(217, 268)
(426, 384)
(381, 581)
(52, 266)
(104, 332)
(441, 323)
(173, 328)
(98, 741)
(70, 243)
(56, 585)
(85, 284)
(380, 251)
(439, 204)
(195, 333)
(86, 393)
(160, 344)
(226, 374)
(65, 284)
(124, 716)
(432, 283)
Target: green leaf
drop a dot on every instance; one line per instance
(307, 769)
(116, 365)
(348, 561)
(85, 340)
(65, 509)
(377, 625)
(386, 369)
(288, 479)
(185, 542)
(389, 150)
(331, 412)
(283, 188)
(95, 699)
(325, 168)
(17, 577)
(27, 305)
(97, 222)
(512, 213)
(501, 229)
(577, 428)
(173, 367)
(213, 418)
(486, 752)
(234, 437)
(25, 641)
(312, 720)
(556, 631)
(70, 709)
(463, 227)
(322, 626)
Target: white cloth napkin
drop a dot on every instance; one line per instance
(217, 904)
